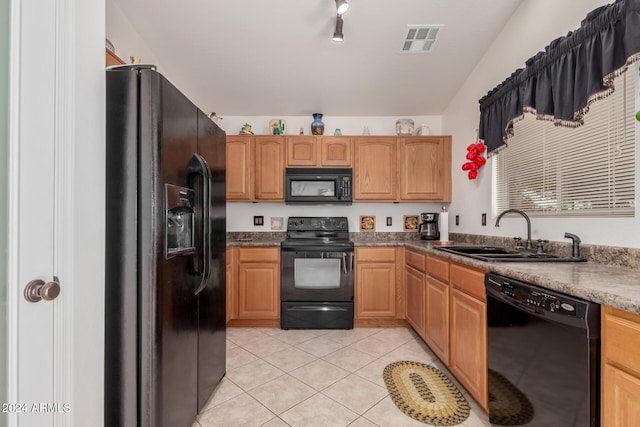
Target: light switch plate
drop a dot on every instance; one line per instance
(258, 220)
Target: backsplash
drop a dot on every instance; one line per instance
(609, 255)
(240, 216)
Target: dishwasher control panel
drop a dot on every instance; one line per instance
(535, 297)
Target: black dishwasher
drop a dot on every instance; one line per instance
(543, 355)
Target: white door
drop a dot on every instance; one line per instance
(55, 224)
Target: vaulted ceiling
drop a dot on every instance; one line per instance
(276, 57)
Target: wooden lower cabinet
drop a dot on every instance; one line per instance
(378, 289)
(258, 283)
(468, 346)
(436, 333)
(415, 296)
(454, 318)
(620, 383)
(468, 351)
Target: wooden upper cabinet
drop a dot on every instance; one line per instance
(375, 168)
(335, 151)
(302, 151)
(112, 59)
(319, 151)
(425, 168)
(385, 168)
(240, 182)
(269, 158)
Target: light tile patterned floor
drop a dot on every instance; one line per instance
(309, 378)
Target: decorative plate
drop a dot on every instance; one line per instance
(277, 127)
(404, 126)
(410, 222)
(367, 223)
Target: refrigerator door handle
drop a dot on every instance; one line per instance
(198, 167)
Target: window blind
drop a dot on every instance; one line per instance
(549, 170)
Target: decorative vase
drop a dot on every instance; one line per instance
(317, 126)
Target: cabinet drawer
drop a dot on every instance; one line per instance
(416, 260)
(469, 281)
(259, 255)
(621, 339)
(438, 268)
(376, 254)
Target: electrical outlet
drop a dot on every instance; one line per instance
(457, 219)
(258, 220)
(484, 219)
(389, 221)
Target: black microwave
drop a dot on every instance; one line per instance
(318, 186)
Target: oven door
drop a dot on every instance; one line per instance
(319, 274)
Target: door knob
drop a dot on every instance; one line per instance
(37, 290)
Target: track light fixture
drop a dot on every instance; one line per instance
(337, 34)
(342, 6)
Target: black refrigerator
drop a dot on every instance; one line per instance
(165, 252)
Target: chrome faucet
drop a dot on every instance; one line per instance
(518, 211)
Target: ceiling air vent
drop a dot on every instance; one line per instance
(420, 38)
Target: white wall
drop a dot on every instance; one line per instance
(534, 24)
(126, 40)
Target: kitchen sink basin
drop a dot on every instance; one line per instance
(478, 250)
(498, 254)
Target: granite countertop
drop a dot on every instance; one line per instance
(613, 285)
(604, 284)
(255, 239)
(250, 243)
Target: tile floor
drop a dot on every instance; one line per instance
(309, 378)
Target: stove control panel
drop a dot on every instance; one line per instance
(317, 224)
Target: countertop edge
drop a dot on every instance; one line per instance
(617, 287)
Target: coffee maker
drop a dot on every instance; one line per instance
(429, 226)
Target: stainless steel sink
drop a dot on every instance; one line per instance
(498, 254)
